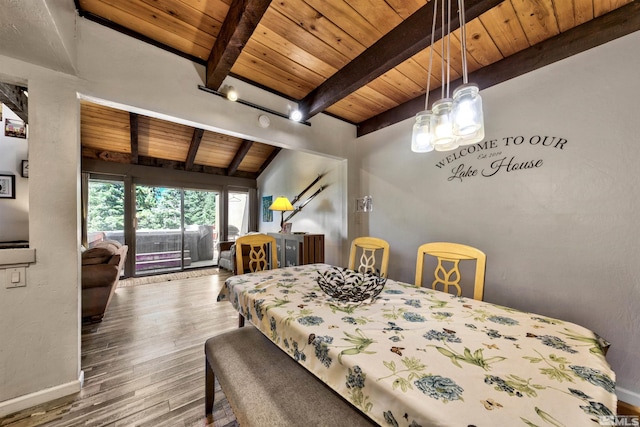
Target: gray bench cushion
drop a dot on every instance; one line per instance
(266, 387)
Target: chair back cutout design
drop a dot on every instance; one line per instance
(451, 254)
(373, 251)
(258, 254)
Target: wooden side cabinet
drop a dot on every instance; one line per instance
(299, 249)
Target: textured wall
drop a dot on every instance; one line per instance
(561, 235)
(289, 174)
(40, 323)
(14, 212)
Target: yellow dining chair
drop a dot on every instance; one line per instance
(252, 255)
(373, 251)
(452, 254)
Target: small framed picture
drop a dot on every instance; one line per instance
(15, 128)
(286, 228)
(25, 169)
(7, 186)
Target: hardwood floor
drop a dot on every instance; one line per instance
(144, 363)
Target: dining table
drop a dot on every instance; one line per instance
(414, 356)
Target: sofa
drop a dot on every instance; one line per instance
(227, 255)
(101, 268)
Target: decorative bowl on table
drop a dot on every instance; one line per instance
(346, 285)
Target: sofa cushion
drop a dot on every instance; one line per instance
(110, 244)
(100, 255)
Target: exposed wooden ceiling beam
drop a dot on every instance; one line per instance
(617, 23)
(398, 45)
(133, 128)
(14, 98)
(107, 156)
(173, 164)
(269, 159)
(193, 147)
(240, 155)
(241, 21)
(111, 156)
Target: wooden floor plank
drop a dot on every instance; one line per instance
(144, 363)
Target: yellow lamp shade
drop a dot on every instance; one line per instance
(281, 204)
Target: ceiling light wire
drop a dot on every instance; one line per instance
(433, 33)
(463, 34)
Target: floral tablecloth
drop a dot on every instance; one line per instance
(418, 357)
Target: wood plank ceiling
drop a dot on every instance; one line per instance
(363, 61)
(118, 136)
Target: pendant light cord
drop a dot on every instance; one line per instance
(463, 34)
(433, 33)
(442, 88)
(448, 45)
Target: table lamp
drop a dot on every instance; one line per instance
(281, 204)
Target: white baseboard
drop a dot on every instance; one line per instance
(628, 396)
(42, 396)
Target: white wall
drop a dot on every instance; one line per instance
(561, 239)
(289, 174)
(14, 212)
(40, 324)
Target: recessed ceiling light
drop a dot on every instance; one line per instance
(232, 95)
(296, 115)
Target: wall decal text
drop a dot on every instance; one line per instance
(494, 159)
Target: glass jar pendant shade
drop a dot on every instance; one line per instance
(458, 120)
(421, 138)
(468, 120)
(442, 125)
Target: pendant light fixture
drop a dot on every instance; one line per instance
(453, 121)
(442, 118)
(422, 137)
(468, 123)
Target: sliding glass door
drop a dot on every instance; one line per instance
(167, 228)
(175, 229)
(158, 229)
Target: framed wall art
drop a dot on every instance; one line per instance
(7, 186)
(267, 214)
(15, 128)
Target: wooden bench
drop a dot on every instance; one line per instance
(266, 387)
